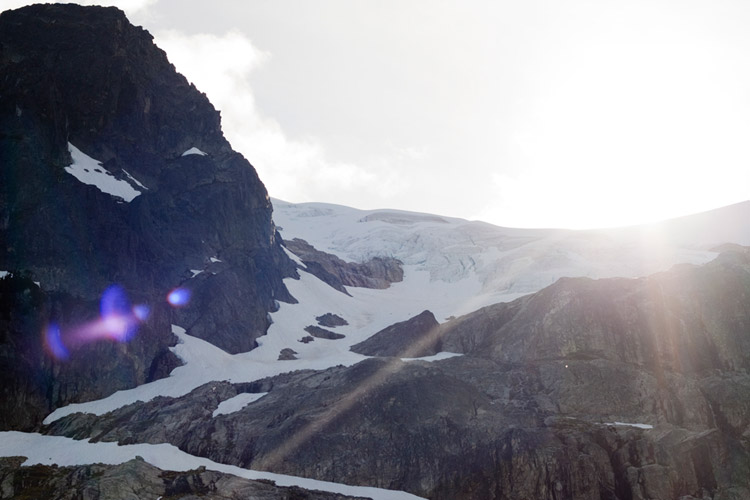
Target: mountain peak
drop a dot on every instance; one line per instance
(99, 187)
(100, 83)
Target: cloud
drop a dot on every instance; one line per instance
(299, 169)
(292, 169)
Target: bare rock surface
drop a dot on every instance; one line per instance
(413, 338)
(331, 320)
(378, 272)
(322, 333)
(138, 479)
(287, 354)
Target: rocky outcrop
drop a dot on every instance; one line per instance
(378, 272)
(79, 82)
(322, 333)
(413, 338)
(331, 320)
(287, 354)
(522, 414)
(138, 479)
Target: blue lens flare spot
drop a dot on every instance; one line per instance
(141, 312)
(53, 342)
(179, 297)
(114, 302)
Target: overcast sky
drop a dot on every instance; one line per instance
(521, 113)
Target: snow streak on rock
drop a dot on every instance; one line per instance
(91, 172)
(49, 450)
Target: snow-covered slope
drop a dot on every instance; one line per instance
(476, 264)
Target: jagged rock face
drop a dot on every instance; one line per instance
(511, 418)
(413, 338)
(138, 479)
(378, 272)
(85, 78)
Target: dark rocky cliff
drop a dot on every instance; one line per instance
(86, 77)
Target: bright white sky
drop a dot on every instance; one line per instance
(535, 113)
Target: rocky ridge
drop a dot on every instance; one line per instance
(378, 272)
(414, 338)
(138, 479)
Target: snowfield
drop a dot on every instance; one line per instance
(478, 264)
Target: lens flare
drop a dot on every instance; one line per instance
(53, 342)
(141, 311)
(117, 321)
(114, 302)
(179, 297)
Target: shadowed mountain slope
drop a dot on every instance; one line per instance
(96, 190)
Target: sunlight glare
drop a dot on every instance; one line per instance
(624, 132)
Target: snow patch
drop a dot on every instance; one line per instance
(194, 151)
(294, 258)
(625, 424)
(237, 403)
(196, 272)
(214, 260)
(434, 357)
(50, 450)
(135, 181)
(90, 171)
(3, 274)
